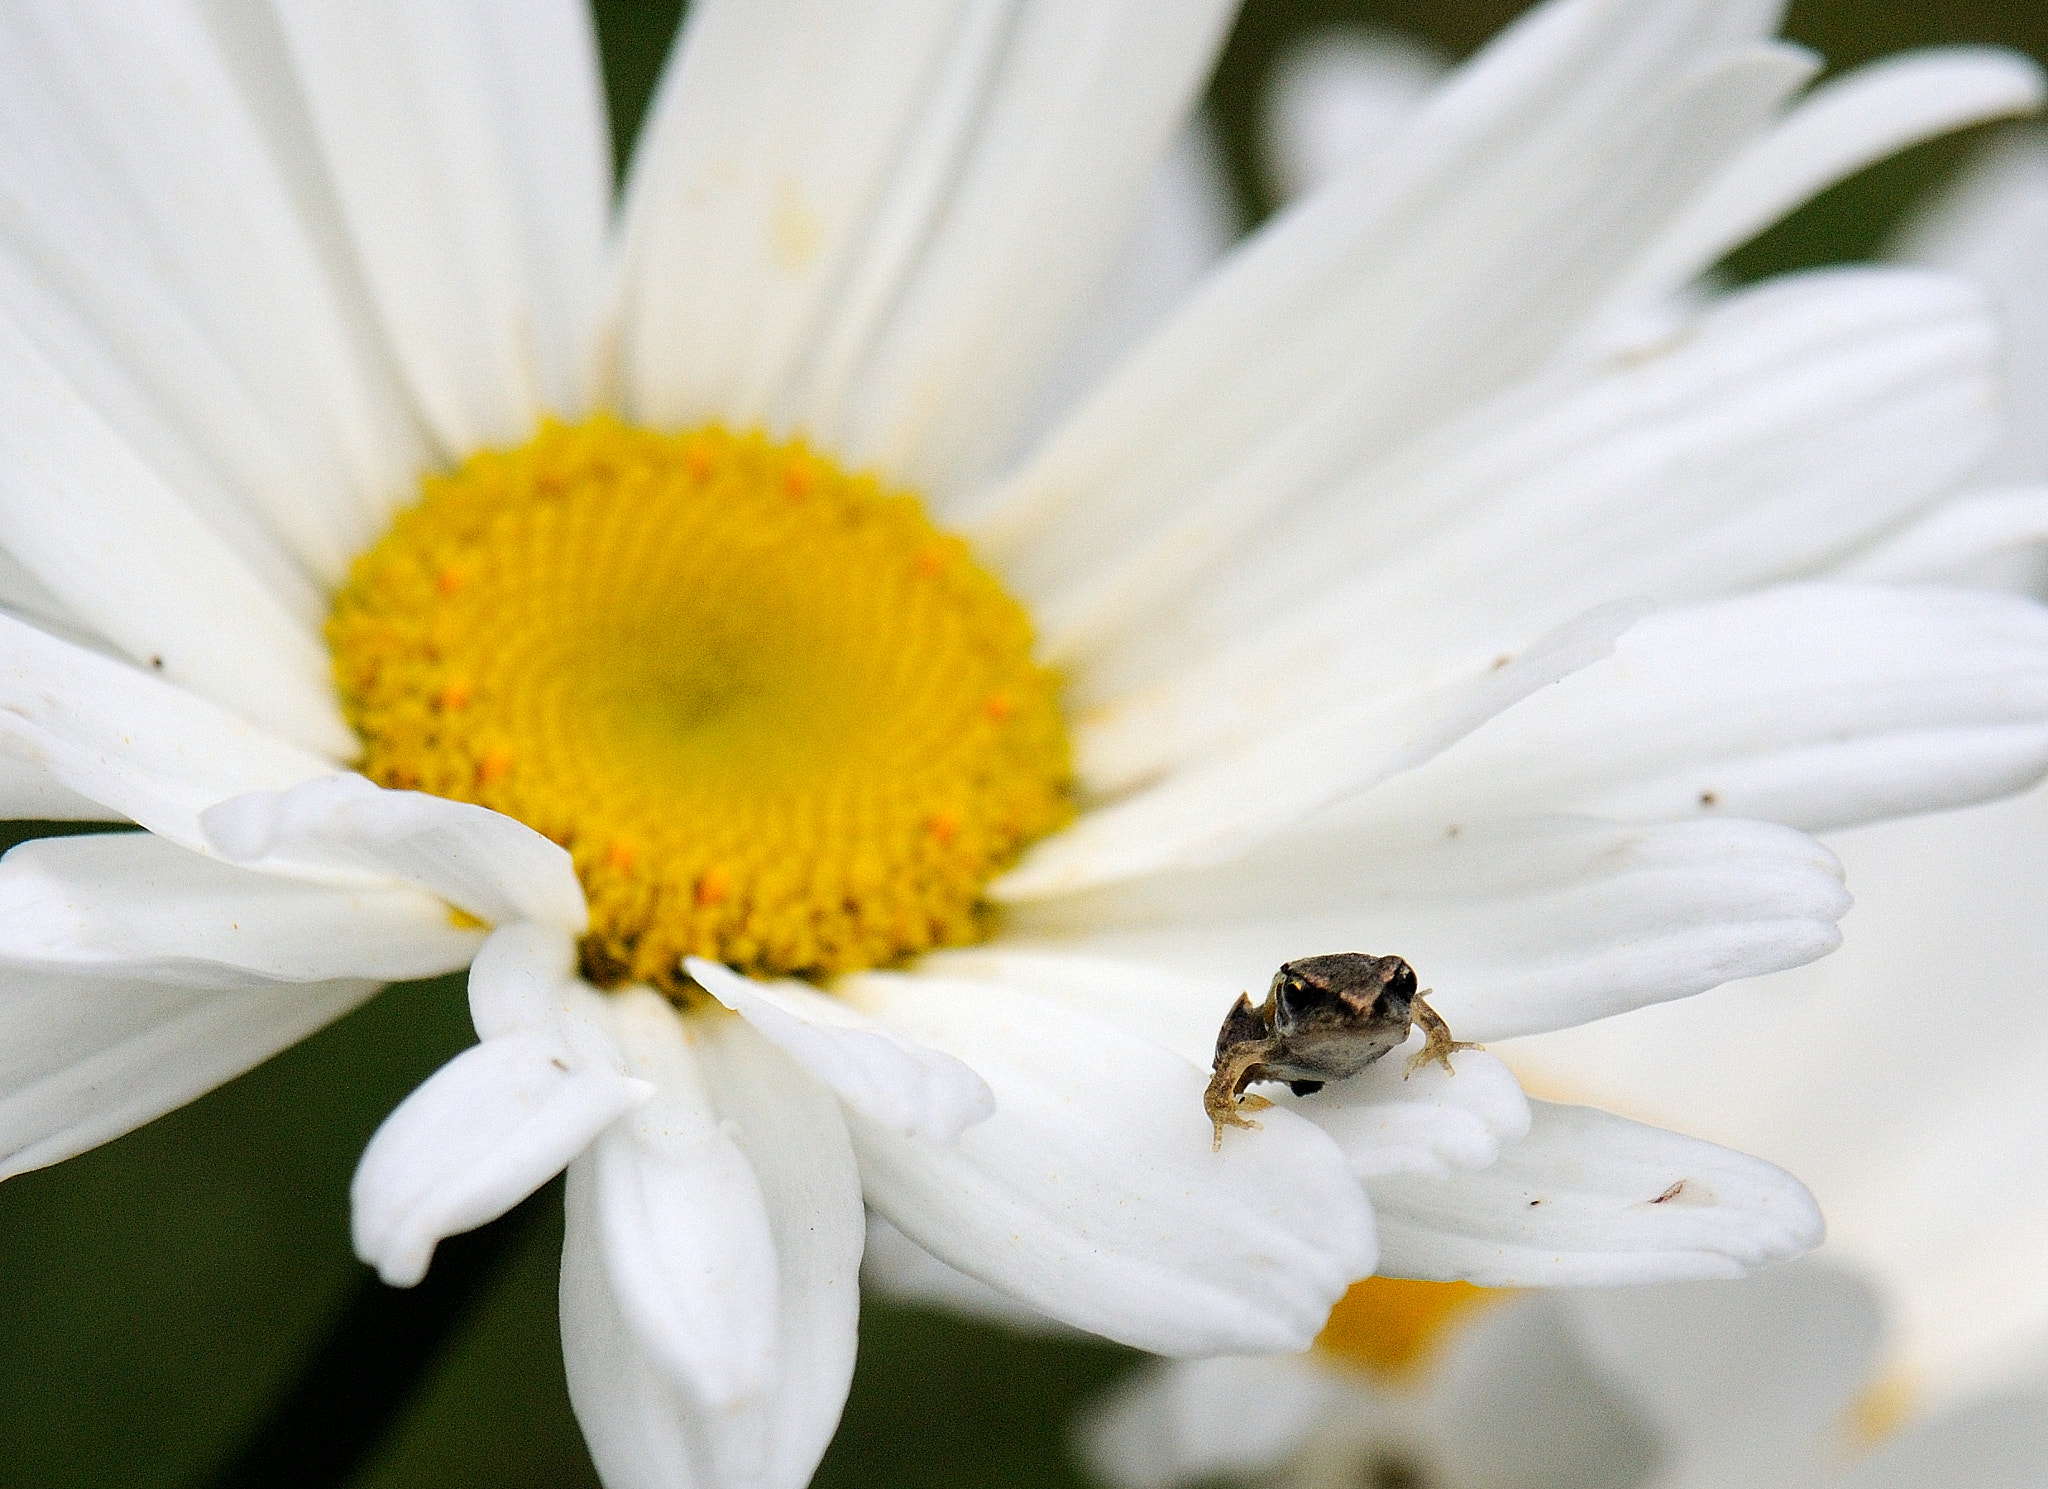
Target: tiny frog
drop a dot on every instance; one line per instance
(1324, 1018)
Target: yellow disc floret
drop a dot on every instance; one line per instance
(777, 718)
(1393, 1327)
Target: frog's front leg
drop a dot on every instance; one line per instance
(1437, 1042)
(1225, 1101)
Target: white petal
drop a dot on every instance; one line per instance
(1521, 1404)
(1187, 1421)
(1186, 222)
(790, 1130)
(85, 1059)
(1755, 1376)
(1441, 269)
(1818, 705)
(1384, 1121)
(1519, 925)
(467, 145)
(1215, 811)
(104, 534)
(1842, 127)
(177, 260)
(681, 1222)
(1989, 225)
(898, 1270)
(1588, 1199)
(1770, 434)
(1345, 663)
(891, 1080)
(879, 233)
(643, 1432)
(29, 793)
(1333, 98)
(784, 144)
(1929, 1171)
(1093, 1194)
(490, 1126)
(497, 869)
(136, 906)
(1431, 1121)
(2003, 1443)
(145, 750)
(1041, 196)
(1956, 537)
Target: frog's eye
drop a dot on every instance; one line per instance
(1399, 992)
(1298, 998)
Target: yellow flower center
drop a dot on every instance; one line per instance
(777, 718)
(1394, 1327)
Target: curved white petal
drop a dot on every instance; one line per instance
(1186, 222)
(467, 146)
(895, 1268)
(1818, 705)
(1431, 1121)
(1333, 98)
(889, 1079)
(1519, 925)
(497, 869)
(643, 1431)
(2002, 1442)
(30, 793)
(84, 1059)
(681, 1222)
(1956, 537)
(1921, 1139)
(1217, 810)
(497, 1121)
(1774, 432)
(1093, 1193)
(133, 905)
(1842, 127)
(1592, 1200)
(1187, 1421)
(788, 161)
(110, 539)
(790, 1130)
(1405, 292)
(1749, 1382)
(143, 749)
(846, 225)
(170, 249)
(1989, 225)
(1521, 1403)
(1041, 192)
(1384, 1120)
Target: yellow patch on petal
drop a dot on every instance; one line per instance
(778, 718)
(1393, 1327)
(1881, 1410)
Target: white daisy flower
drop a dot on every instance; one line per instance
(1935, 1189)
(1762, 1383)
(347, 430)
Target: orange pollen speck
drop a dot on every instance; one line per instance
(713, 886)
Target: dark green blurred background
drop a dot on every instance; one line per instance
(163, 1292)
